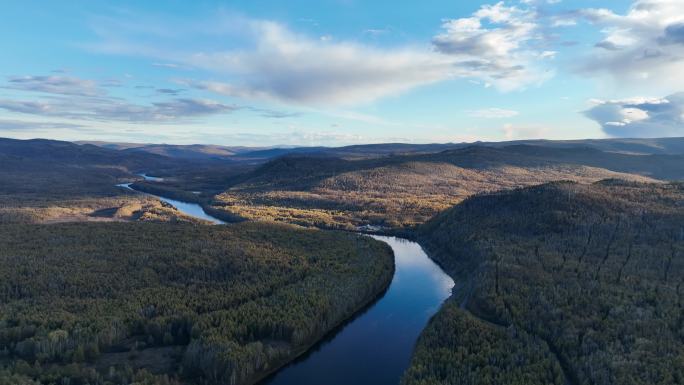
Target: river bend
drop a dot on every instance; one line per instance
(375, 347)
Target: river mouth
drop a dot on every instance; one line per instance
(376, 345)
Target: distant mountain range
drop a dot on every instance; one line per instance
(392, 185)
(44, 154)
(396, 191)
(660, 146)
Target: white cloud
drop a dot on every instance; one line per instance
(497, 45)
(258, 59)
(644, 46)
(295, 137)
(375, 32)
(561, 21)
(61, 85)
(493, 113)
(166, 65)
(288, 67)
(83, 99)
(538, 2)
(261, 59)
(22, 125)
(512, 132)
(640, 117)
(109, 109)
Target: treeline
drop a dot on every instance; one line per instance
(150, 303)
(585, 278)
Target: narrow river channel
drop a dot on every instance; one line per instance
(375, 347)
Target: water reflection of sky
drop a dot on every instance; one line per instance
(376, 347)
(151, 178)
(191, 209)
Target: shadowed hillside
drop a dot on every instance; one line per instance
(46, 180)
(35, 151)
(404, 190)
(35, 166)
(564, 283)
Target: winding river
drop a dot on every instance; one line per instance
(191, 209)
(375, 347)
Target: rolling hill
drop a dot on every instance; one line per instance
(655, 146)
(192, 151)
(400, 191)
(47, 180)
(388, 186)
(561, 283)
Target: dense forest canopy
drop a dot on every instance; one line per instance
(579, 280)
(112, 303)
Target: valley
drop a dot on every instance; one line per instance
(418, 287)
(398, 192)
(342, 192)
(556, 255)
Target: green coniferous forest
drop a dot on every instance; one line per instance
(159, 303)
(560, 284)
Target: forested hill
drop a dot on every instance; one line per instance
(400, 191)
(37, 153)
(47, 169)
(289, 171)
(48, 181)
(160, 304)
(561, 284)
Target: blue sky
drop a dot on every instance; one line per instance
(336, 72)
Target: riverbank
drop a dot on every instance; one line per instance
(374, 342)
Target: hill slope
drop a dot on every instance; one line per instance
(190, 151)
(55, 166)
(565, 284)
(161, 304)
(662, 146)
(404, 190)
(47, 180)
(634, 146)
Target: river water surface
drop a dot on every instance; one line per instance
(191, 209)
(375, 347)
